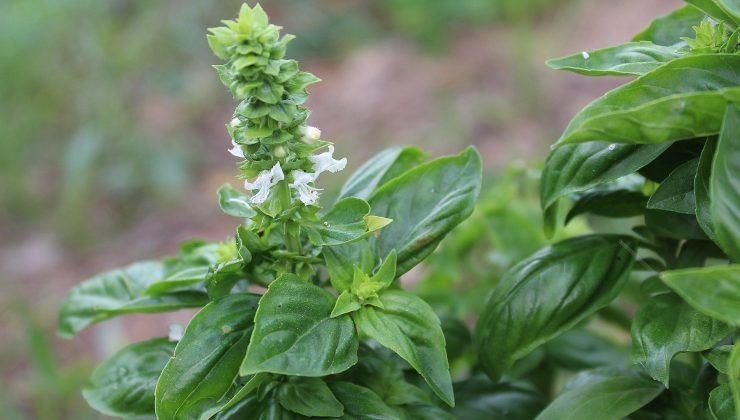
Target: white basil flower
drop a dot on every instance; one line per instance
(236, 150)
(306, 193)
(325, 162)
(263, 183)
(310, 134)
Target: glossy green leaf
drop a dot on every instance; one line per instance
(118, 292)
(721, 405)
(669, 224)
(234, 203)
(207, 358)
(239, 397)
(676, 192)
(581, 349)
(714, 291)
(408, 326)
(666, 326)
(733, 375)
(309, 397)
(718, 9)
(630, 59)
(701, 190)
(294, 333)
(604, 394)
(362, 403)
(347, 221)
(425, 203)
(380, 169)
(609, 203)
(479, 398)
(341, 259)
(123, 385)
(683, 99)
(547, 294)
(668, 29)
(346, 303)
(725, 185)
(178, 280)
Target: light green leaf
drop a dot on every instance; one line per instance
(178, 280)
(668, 29)
(718, 9)
(341, 259)
(207, 358)
(380, 169)
(425, 204)
(119, 292)
(347, 221)
(309, 397)
(701, 189)
(361, 403)
(714, 291)
(630, 59)
(724, 185)
(346, 303)
(294, 333)
(408, 326)
(549, 293)
(731, 8)
(666, 326)
(604, 394)
(234, 203)
(123, 385)
(676, 192)
(721, 405)
(683, 99)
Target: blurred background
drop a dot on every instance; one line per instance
(112, 138)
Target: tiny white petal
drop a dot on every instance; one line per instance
(176, 332)
(311, 134)
(306, 193)
(325, 162)
(235, 122)
(263, 183)
(585, 55)
(236, 150)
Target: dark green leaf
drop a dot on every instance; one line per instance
(309, 397)
(234, 203)
(725, 185)
(457, 336)
(123, 385)
(721, 405)
(714, 291)
(425, 204)
(701, 190)
(207, 358)
(380, 169)
(581, 349)
(676, 192)
(547, 294)
(604, 394)
(719, 358)
(479, 398)
(362, 403)
(408, 326)
(118, 292)
(609, 203)
(295, 335)
(668, 29)
(347, 221)
(630, 59)
(669, 224)
(666, 326)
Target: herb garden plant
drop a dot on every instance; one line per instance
(303, 314)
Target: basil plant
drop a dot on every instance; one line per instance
(302, 313)
(663, 150)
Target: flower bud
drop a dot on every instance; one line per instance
(279, 152)
(310, 134)
(235, 122)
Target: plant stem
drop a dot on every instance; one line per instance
(292, 232)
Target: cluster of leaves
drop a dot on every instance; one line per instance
(302, 311)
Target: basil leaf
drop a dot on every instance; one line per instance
(123, 385)
(425, 204)
(725, 185)
(347, 221)
(714, 291)
(479, 398)
(180, 279)
(721, 405)
(380, 169)
(457, 336)
(408, 326)
(294, 333)
(207, 358)
(630, 59)
(609, 203)
(719, 358)
(669, 224)
(734, 375)
(676, 192)
(700, 86)
(234, 203)
(670, 28)
(718, 9)
(580, 349)
(340, 262)
(361, 403)
(701, 190)
(547, 294)
(666, 326)
(119, 292)
(309, 397)
(604, 394)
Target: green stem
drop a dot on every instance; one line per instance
(292, 240)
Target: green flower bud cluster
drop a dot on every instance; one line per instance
(269, 123)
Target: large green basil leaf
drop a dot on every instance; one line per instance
(547, 294)
(725, 185)
(349, 220)
(380, 169)
(294, 333)
(362, 403)
(666, 326)
(234, 203)
(714, 291)
(630, 59)
(408, 326)
(687, 95)
(581, 349)
(604, 394)
(676, 192)
(701, 190)
(609, 203)
(718, 9)
(180, 279)
(573, 168)
(670, 28)
(721, 405)
(207, 358)
(309, 397)
(123, 385)
(118, 292)
(425, 204)
(479, 398)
